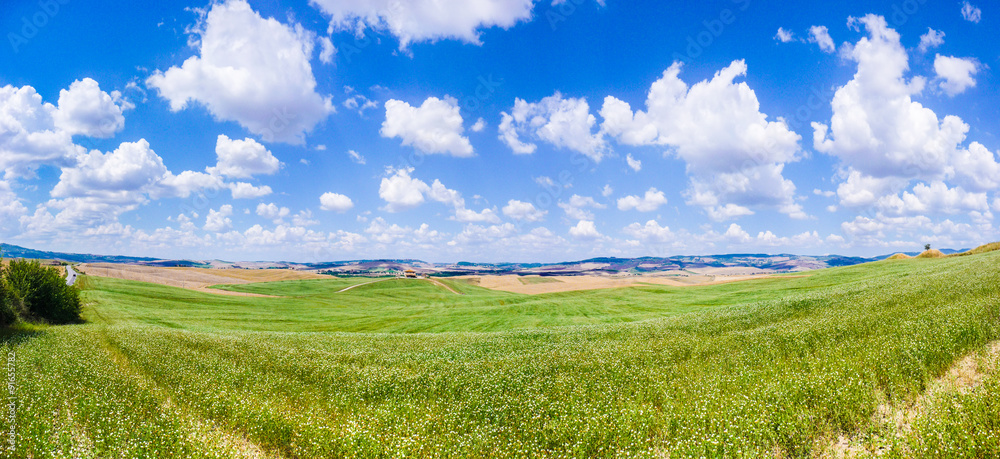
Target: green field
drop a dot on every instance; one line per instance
(403, 368)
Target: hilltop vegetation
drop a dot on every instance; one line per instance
(406, 368)
(35, 293)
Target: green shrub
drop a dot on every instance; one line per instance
(40, 293)
(7, 313)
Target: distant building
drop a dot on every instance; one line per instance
(410, 273)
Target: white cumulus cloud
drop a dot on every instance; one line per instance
(957, 74)
(971, 13)
(243, 158)
(86, 110)
(523, 211)
(931, 39)
(244, 190)
(585, 229)
(734, 155)
(649, 202)
(633, 163)
(784, 36)
(821, 36)
(425, 20)
(272, 211)
(564, 123)
(251, 70)
(335, 202)
(218, 220)
(576, 207)
(433, 127)
(649, 232)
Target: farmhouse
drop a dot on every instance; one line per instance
(410, 274)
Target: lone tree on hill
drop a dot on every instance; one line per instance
(927, 247)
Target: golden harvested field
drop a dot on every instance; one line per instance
(198, 279)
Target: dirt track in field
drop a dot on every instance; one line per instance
(198, 279)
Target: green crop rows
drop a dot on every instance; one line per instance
(404, 368)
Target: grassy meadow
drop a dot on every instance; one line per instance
(845, 360)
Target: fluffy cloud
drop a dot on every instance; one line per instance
(356, 157)
(577, 205)
(123, 175)
(478, 126)
(735, 233)
(806, 239)
(251, 70)
(931, 39)
(633, 163)
(384, 233)
(218, 220)
(585, 229)
(957, 74)
(523, 211)
(425, 20)
(863, 190)
(85, 109)
(272, 212)
(102, 186)
(976, 168)
(971, 13)
(304, 218)
(650, 232)
(876, 127)
(357, 101)
(886, 139)
(651, 201)
(127, 176)
(243, 190)
(821, 36)
(784, 36)
(479, 235)
(936, 198)
(243, 158)
(727, 212)
(335, 202)
(11, 209)
(897, 232)
(433, 127)
(400, 191)
(28, 133)
(564, 123)
(468, 216)
(327, 50)
(734, 155)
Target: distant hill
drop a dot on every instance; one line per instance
(13, 251)
(740, 263)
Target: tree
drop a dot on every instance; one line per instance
(927, 246)
(39, 293)
(8, 314)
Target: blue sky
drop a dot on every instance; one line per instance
(497, 130)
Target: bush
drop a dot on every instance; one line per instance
(8, 314)
(39, 293)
